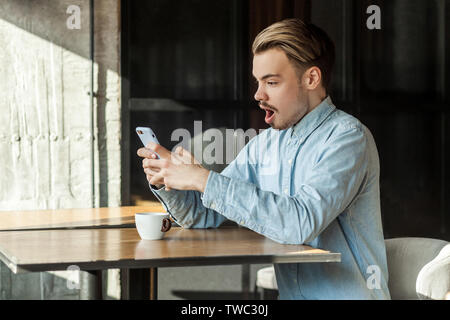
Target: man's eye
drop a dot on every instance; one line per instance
(271, 83)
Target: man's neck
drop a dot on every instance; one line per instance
(315, 99)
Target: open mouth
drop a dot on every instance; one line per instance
(269, 116)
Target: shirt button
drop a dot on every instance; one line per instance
(290, 161)
(286, 191)
(213, 205)
(241, 223)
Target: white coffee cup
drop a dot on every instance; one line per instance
(152, 225)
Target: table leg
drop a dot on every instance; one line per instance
(135, 284)
(154, 284)
(245, 280)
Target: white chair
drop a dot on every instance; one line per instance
(419, 268)
(265, 279)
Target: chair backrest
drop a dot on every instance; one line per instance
(406, 257)
(433, 281)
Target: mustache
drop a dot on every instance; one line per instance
(266, 105)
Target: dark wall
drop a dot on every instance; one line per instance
(196, 54)
(396, 81)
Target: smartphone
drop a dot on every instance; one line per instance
(146, 135)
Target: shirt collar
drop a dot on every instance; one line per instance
(313, 119)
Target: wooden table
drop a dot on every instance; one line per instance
(96, 249)
(73, 218)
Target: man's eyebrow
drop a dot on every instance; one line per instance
(270, 75)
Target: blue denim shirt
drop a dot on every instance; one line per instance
(316, 183)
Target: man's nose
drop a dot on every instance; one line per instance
(260, 95)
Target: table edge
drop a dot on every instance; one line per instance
(176, 262)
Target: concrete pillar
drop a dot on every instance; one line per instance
(50, 154)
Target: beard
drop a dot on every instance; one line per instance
(302, 110)
(301, 107)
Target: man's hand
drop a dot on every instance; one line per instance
(147, 153)
(177, 170)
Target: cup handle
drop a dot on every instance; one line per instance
(166, 225)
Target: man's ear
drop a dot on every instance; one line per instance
(312, 78)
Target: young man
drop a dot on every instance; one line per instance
(312, 178)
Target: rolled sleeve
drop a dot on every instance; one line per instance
(187, 209)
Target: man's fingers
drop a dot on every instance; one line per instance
(151, 148)
(149, 171)
(155, 182)
(154, 164)
(157, 179)
(147, 164)
(146, 153)
(159, 149)
(185, 156)
(179, 151)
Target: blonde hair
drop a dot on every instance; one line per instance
(305, 45)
